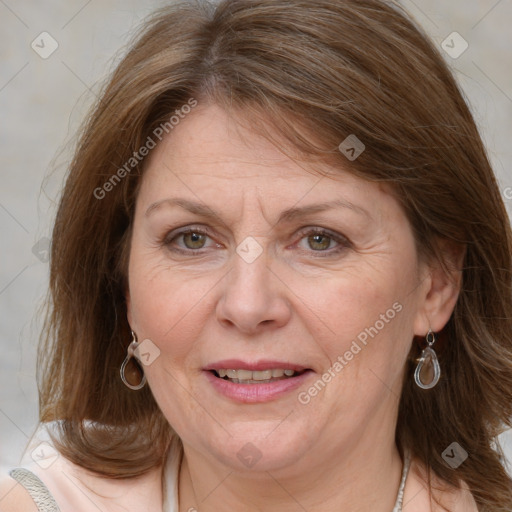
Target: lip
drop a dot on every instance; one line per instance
(264, 364)
(255, 393)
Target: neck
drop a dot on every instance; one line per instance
(360, 479)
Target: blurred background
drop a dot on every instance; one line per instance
(53, 57)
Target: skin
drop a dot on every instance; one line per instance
(296, 302)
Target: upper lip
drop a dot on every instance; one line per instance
(264, 364)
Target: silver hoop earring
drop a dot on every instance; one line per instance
(428, 371)
(135, 371)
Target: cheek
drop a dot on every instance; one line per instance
(367, 321)
(165, 307)
(366, 317)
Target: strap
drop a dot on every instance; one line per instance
(37, 490)
(401, 489)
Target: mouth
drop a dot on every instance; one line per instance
(255, 382)
(240, 376)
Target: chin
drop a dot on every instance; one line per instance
(259, 453)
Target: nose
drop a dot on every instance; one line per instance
(253, 298)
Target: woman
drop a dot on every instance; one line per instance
(280, 276)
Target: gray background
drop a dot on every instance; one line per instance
(42, 102)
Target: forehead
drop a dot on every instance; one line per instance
(210, 146)
(211, 159)
(211, 138)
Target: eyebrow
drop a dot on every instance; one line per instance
(287, 215)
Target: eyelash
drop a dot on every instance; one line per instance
(343, 243)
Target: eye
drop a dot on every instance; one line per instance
(193, 240)
(189, 240)
(320, 240)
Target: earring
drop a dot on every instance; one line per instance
(428, 371)
(131, 371)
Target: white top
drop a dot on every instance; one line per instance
(50, 466)
(57, 485)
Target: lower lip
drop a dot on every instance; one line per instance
(254, 393)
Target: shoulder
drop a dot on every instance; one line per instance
(455, 500)
(71, 488)
(14, 497)
(442, 498)
(76, 489)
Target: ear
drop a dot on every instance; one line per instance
(441, 288)
(128, 301)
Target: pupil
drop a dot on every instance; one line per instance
(319, 242)
(194, 240)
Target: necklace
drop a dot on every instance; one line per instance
(170, 507)
(405, 471)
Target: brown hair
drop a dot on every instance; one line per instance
(326, 67)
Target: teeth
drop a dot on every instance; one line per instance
(242, 374)
(261, 375)
(248, 375)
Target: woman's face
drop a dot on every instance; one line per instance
(243, 260)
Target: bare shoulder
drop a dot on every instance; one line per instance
(442, 498)
(455, 500)
(14, 497)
